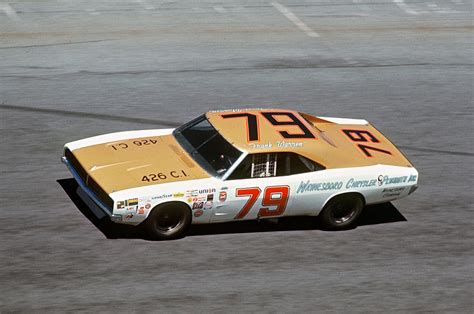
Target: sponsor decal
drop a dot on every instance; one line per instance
(132, 202)
(161, 196)
(148, 206)
(412, 178)
(205, 191)
(134, 208)
(224, 188)
(120, 204)
(198, 205)
(179, 194)
(392, 192)
(352, 183)
(208, 205)
(141, 211)
(222, 196)
(192, 193)
(198, 213)
(386, 180)
(308, 186)
(210, 197)
(380, 180)
(129, 216)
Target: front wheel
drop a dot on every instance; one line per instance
(168, 221)
(341, 212)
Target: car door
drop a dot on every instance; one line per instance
(269, 185)
(251, 199)
(254, 191)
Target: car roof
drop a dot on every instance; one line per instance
(284, 130)
(234, 126)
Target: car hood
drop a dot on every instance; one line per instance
(133, 162)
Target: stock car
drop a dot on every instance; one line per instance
(234, 165)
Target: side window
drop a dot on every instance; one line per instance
(291, 163)
(256, 166)
(273, 164)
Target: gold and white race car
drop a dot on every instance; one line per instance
(235, 165)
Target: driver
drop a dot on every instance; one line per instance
(222, 163)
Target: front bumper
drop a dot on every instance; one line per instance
(100, 209)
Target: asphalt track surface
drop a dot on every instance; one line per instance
(73, 69)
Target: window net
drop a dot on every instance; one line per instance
(264, 165)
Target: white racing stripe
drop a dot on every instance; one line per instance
(345, 120)
(118, 136)
(293, 18)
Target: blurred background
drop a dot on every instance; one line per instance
(74, 69)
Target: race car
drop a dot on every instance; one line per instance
(242, 164)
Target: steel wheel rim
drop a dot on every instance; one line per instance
(169, 219)
(343, 212)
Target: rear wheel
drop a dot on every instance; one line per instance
(342, 211)
(168, 221)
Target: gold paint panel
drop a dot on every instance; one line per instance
(124, 164)
(331, 148)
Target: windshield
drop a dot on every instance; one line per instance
(206, 146)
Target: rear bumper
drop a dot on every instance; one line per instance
(90, 194)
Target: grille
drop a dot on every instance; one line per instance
(88, 181)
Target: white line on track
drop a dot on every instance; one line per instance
(92, 12)
(220, 9)
(9, 11)
(402, 5)
(443, 10)
(145, 4)
(361, 5)
(293, 18)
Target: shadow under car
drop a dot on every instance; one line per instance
(372, 214)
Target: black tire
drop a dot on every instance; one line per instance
(168, 221)
(341, 212)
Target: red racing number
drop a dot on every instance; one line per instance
(273, 196)
(253, 193)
